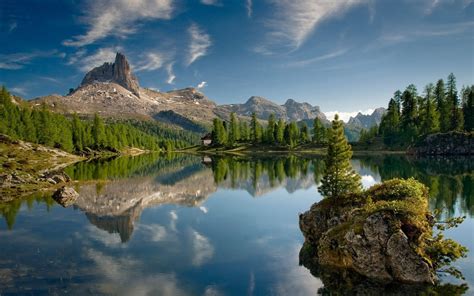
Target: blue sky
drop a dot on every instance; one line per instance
(343, 55)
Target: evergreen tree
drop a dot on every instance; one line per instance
(468, 109)
(430, 117)
(98, 132)
(255, 129)
(244, 131)
(455, 114)
(270, 132)
(280, 132)
(319, 131)
(390, 124)
(292, 134)
(409, 115)
(219, 134)
(304, 133)
(339, 178)
(442, 106)
(233, 130)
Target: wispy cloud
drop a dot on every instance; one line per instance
(102, 55)
(331, 55)
(393, 38)
(16, 61)
(151, 62)
(118, 17)
(199, 44)
(295, 20)
(249, 7)
(201, 85)
(169, 71)
(211, 2)
(19, 90)
(12, 26)
(203, 250)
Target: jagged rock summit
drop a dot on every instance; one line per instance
(118, 72)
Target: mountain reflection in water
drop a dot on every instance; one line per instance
(149, 220)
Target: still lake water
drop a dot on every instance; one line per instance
(176, 226)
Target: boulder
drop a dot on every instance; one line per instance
(65, 196)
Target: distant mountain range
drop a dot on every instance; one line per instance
(112, 90)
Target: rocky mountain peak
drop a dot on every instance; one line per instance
(118, 72)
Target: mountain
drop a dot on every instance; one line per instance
(118, 72)
(263, 108)
(112, 90)
(366, 121)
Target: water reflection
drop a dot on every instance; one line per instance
(176, 225)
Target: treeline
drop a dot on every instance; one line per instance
(439, 109)
(276, 132)
(38, 125)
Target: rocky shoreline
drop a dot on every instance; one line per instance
(27, 167)
(384, 234)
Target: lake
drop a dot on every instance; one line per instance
(186, 225)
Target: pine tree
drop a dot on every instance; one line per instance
(390, 124)
(442, 106)
(270, 132)
(219, 134)
(319, 131)
(409, 115)
(455, 115)
(280, 132)
(339, 178)
(98, 132)
(468, 109)
(255, 129)
(233, 130)
(304, 133)
(430, 117)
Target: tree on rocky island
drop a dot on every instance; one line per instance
(339, 176)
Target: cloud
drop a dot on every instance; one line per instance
(169, 71)
(19, 90)
(211, 2)
(345, 116)
(203, 209)
(410, 35)
(199, 44)
(367, 181)
(118, 18)
(202, 248)
(12, 26)
(295, 20)
(201, 85)
(327, 56)
(154, 232)
(16, 61)
(102, 55)
(249, 7)
(152, 61)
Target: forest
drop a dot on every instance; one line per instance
(74, 134)
(411, 116)
(275, 132)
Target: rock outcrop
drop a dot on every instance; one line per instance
(118, 72)
(65, 196)
(452, 143)
(383, 234)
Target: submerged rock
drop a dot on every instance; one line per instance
(65, 196)
(383, 234)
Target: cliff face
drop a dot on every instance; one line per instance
(118, 72)
(452, 143)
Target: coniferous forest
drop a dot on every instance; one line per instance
(74, 134)
(411, 115)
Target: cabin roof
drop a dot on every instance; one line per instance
(207, 136)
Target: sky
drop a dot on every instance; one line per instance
(342, 55)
